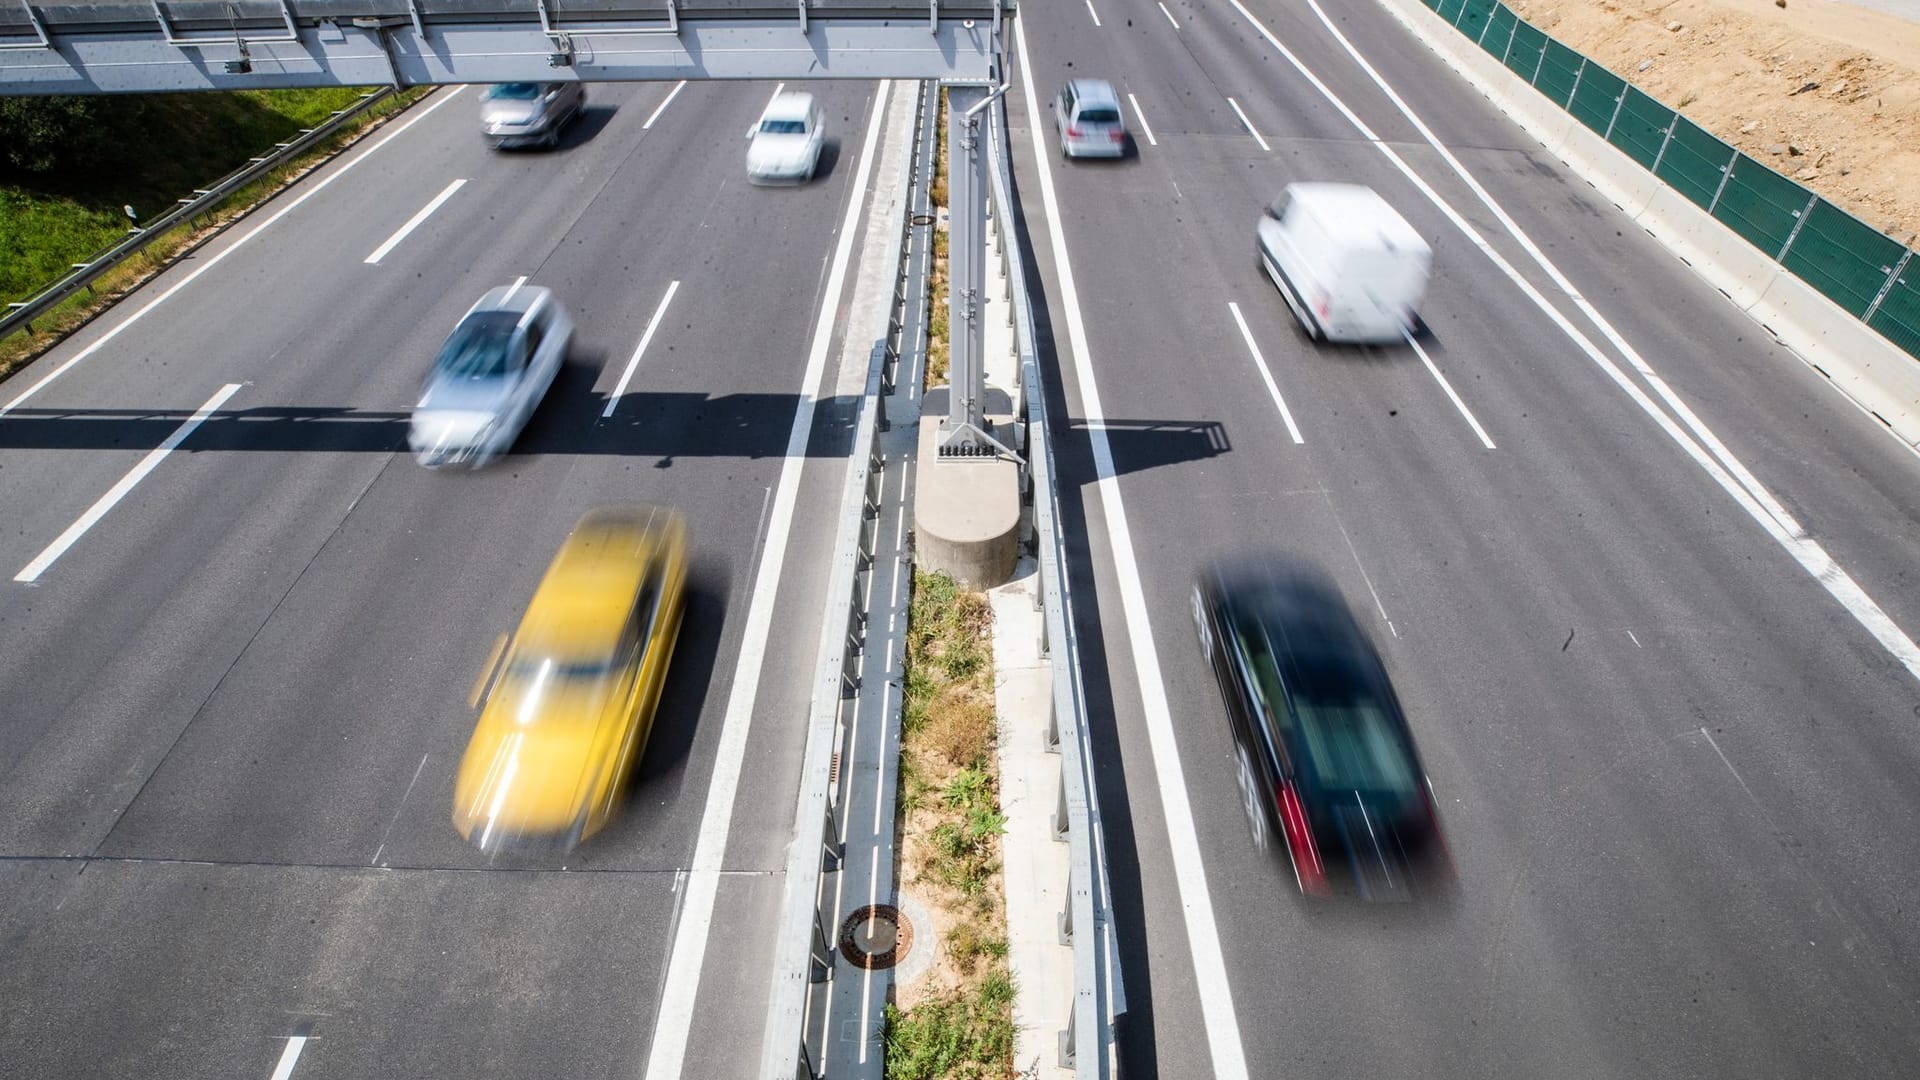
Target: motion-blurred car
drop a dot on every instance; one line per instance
(490, 376)
(1324, 759)
(529, 114)
(573, 691)
(1087, 115)
(786, 141)
(1351, 268)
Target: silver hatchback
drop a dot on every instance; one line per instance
(1087, 116)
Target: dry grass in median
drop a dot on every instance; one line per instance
(955, 1021)
(938, 349)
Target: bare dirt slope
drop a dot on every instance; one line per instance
(1822, 90)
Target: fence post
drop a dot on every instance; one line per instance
(1538, 65)
(1726, 174)
(1512, 35)
(1618, 104)
(1657, 157)
(1887, 285)
(1576, 84)
(1481, 41)
(1797, 226)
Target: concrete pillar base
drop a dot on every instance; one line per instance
(966, 514)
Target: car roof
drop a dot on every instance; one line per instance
(1304, 614)
(581, 605)
(1097, 91)
(1356, 214)
(789, 105)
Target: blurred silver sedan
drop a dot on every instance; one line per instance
(490, 376)
(529, 114)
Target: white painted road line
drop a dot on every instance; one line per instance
(1266, 376)
(289, 1057)
(1451, 396)
(666, 1058)
(127, 483)
(671, 94)
(1248, 124)
(1169, 15)
(613, 400)
(1228, 1055)
(414, 223)
(1144, 129)
(1718, 463)
(1095, 14)
(215, 259)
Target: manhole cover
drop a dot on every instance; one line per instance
(876, 936)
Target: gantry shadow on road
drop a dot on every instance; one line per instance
(664, 426)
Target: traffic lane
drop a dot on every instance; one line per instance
(233, 324)
(1181, 81)
(531, 972)
(424, 529)
(308, 485)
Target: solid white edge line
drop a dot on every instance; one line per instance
(413, 223)
(1144, 129)
(633, 363)
(215, 259)
(1266, 375)
(671, 94)
(1434, 369)
(1190, 874)
(1095, 14)
(1248, 124)
(289, 1056)
(139, 472)
(1169, 15)
(1808, 553)
(674, 1022)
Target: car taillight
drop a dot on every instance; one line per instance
(1119, 136)
(1320, 304)
(1306, 856)
(1072, 132)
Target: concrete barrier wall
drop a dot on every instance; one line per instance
(1875, 373)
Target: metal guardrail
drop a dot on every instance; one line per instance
(186, 210)
(1099, 996)
(803, 945)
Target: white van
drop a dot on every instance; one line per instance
(1349, 265)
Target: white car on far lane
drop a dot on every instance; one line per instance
(785, 142)
(490, 376)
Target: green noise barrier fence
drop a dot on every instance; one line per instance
(1872, 276)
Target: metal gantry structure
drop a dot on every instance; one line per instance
(134, 46)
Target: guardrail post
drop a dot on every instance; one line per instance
(1061, 822)
(1063, 923)
(831, 849)
(822, 961)
(1052, 735)
(1067, 1047)
(1799, 224)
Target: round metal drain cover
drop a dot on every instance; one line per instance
(876, 936)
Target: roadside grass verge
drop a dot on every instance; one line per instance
(957, 1020)
(50, 220)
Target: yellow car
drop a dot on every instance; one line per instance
(574, 689)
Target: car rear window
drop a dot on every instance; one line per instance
(1352, 744)
(515, 91)
(783, 127)
(1099, 114)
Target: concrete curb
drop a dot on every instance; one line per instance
(1870, 370)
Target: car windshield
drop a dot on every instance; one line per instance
(515, 91)
(545, 689)
(480, 347)
(783, 127)
(1099, 116)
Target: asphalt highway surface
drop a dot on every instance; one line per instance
(236, 702)
(1666, 710)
